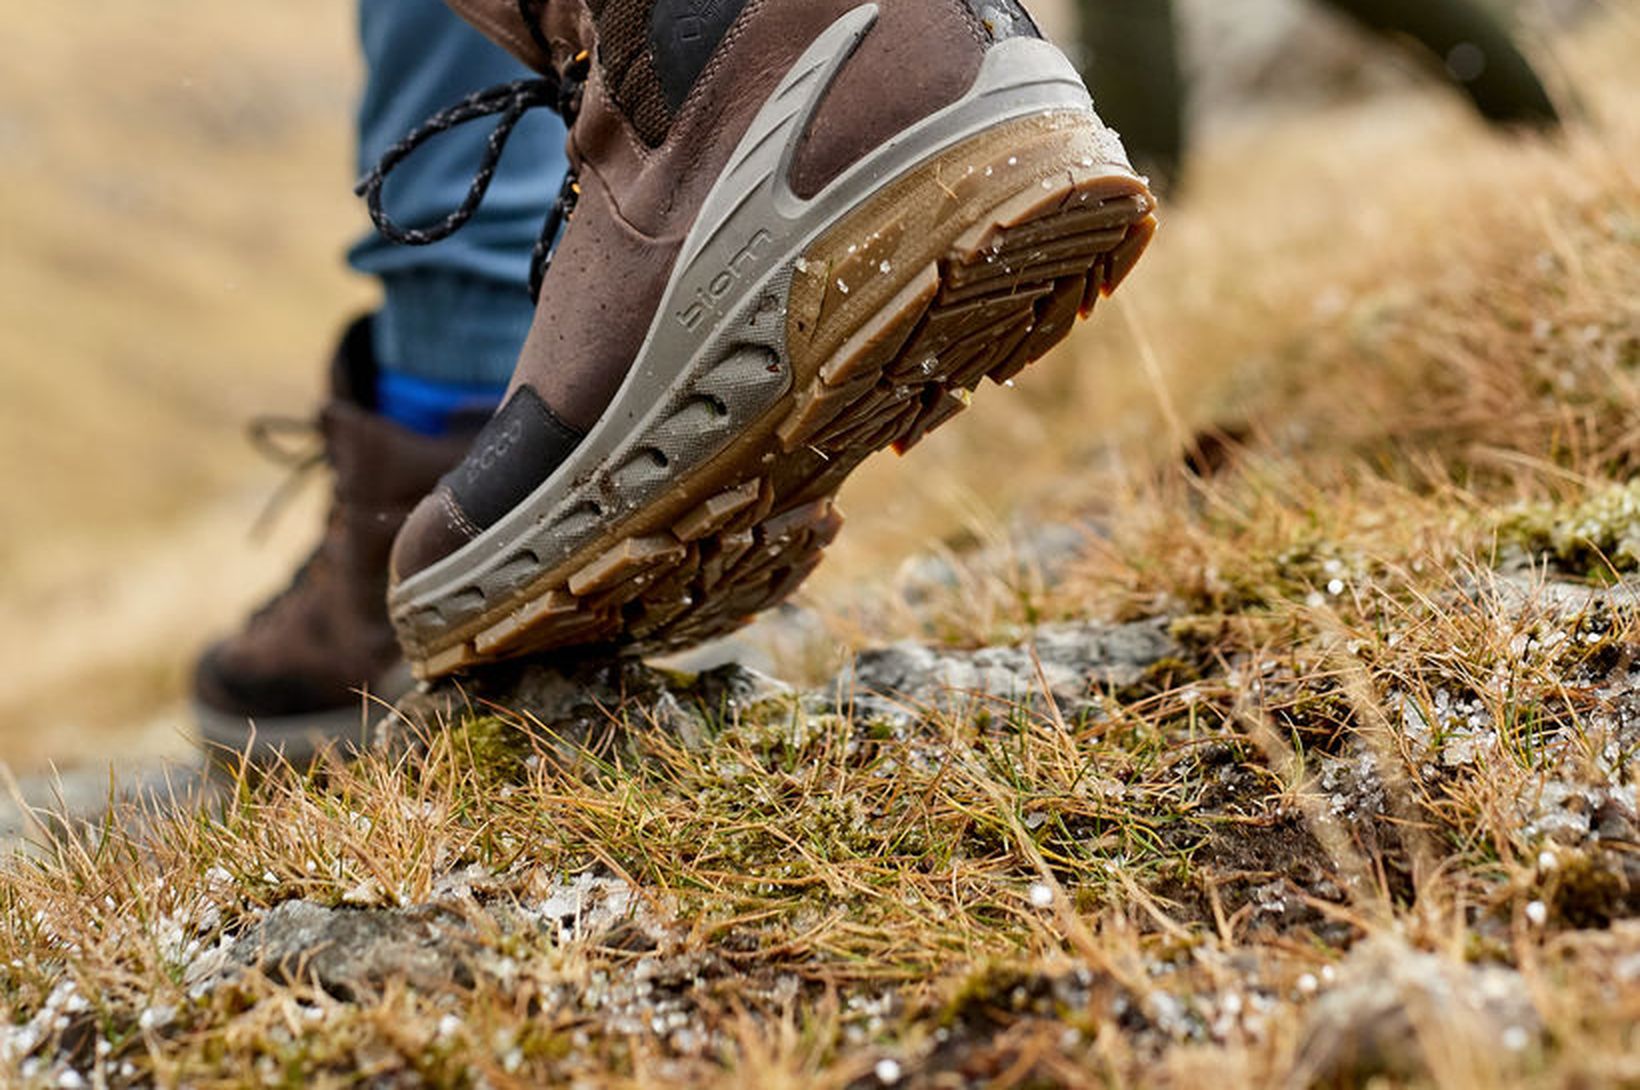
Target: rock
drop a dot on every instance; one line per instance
(580, 706)
(350, 953)
(909, 680)
(436, 947)
(586, 905)
(1391, 1002)
(1571, 814)
(583, 707)
(568, 695)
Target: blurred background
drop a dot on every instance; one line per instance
(175, 196)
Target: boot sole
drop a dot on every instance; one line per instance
(970, 265)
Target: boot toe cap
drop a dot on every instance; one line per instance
(436, 529)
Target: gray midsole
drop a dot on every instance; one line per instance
(715, 359)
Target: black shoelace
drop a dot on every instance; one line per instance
(509, 102)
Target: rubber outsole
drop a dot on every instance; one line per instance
(969, 267)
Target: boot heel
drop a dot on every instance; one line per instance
(972, 266)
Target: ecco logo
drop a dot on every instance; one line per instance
(709, 300)
(485, 458)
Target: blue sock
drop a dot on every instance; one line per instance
(446, 343)
(432, 407)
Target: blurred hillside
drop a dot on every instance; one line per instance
(176, 183)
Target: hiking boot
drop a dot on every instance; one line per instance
(295, 677)
(802, 231)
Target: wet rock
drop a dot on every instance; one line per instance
(1570, 813)
(1392, 1004)
(1071, 664)
(587, 905)
(1614, 818)
(568, 695)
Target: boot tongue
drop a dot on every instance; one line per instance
(627, 58)
(568, 27)
(565, 29)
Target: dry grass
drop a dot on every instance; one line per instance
(1394, 718)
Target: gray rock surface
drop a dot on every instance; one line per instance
(352, 952)
(586, 706)
(1067, 665)
(442, 946)
(581, 707)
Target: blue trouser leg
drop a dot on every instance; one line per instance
(456, 311)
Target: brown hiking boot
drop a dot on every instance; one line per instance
(805, 230)
(292, 678)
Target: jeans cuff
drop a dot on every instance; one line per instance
(451, 327)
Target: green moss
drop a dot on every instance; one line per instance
(1592, 538)
(499, 748)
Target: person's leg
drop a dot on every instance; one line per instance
(410, 386)
(454, 314)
